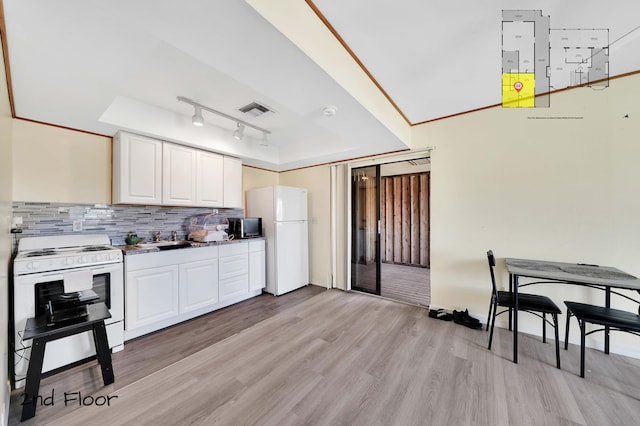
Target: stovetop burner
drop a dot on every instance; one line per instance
(47, 252)
(63, 252)
(96, 248)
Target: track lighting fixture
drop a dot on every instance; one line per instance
(239, 132)
(198, 120)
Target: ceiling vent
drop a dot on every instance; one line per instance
(420, 161)
(255, 110)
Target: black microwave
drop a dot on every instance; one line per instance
(245, 227)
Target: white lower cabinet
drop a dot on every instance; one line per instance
(234, 270)
(257, 264)
(152, 296)
(165, 288)
(198, 285)
(234, 287)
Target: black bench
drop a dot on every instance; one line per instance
(614, 319)
(41, 333)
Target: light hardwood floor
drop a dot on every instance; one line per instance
(406, 284)
(337, 358)
(397, 282)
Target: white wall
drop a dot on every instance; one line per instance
(5, 238)
(253, 177)
(52, 164)
(559, 189)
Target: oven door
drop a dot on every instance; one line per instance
(108, 283)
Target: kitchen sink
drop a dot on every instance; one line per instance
(165, 245)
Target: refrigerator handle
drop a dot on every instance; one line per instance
(378, 226)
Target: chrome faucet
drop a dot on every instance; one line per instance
(174, 235)
(156, 236)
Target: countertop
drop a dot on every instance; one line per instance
(132, 250)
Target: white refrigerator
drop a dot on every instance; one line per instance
(283, 210)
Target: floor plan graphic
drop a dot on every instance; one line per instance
(537, 60)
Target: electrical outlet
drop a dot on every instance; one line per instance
(77, 225)
(16, 225)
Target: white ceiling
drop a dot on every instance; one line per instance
(436, 59)
(101, 66)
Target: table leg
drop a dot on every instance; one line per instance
(103, 353)
(32, 385)
(607, 303)
(515, 319)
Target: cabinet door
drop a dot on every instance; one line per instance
(232, 182)
(137, 169)
(151, 295)
(198, 285)
(257, 270)
(209, 178)
(179, 175)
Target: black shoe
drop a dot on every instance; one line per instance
(470, 318)
(440, 314)
(463, 318)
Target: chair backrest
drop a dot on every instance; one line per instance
(492, 264)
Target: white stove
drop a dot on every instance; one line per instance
(43, 254)
(41, 266)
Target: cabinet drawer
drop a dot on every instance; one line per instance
(231, 249)
(257, 245)
(232, 266)
(233, 287)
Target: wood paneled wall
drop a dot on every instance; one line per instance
(405, 219)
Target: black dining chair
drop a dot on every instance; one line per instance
(615, 319)
(535, 304)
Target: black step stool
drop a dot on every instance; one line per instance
(41, 333)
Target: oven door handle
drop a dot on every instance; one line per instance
(97, 269)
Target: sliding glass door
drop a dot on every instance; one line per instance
(365, 228)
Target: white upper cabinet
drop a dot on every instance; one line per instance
(232, 182)
(178, 175)
(137, 169)
(209, 178)
(150, 171)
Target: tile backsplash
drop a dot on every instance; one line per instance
(41, 219)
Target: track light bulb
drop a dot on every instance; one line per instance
(239, 132)
(197, 118)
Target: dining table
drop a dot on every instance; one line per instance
(605, 278)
